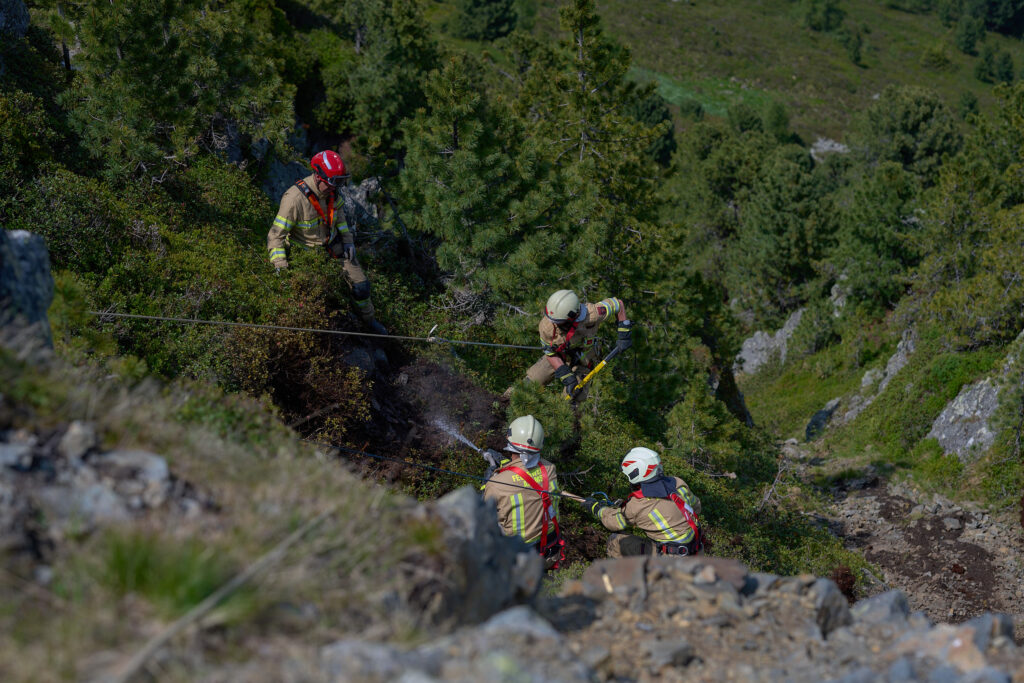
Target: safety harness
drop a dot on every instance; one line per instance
(696, 543)
(327, 218)
(546, 514)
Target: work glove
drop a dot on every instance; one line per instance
(279, 265)
(349, 252)
(595, 505)
(492, 457)
(625, 336)
(568, 378)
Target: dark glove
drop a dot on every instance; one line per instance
(625, 336)
(349, 251)
(492, 457)
(568, 378)
(595, 505)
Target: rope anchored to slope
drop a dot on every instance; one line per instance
(104, 315)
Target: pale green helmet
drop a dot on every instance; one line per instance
(526, 437)
(564, 306)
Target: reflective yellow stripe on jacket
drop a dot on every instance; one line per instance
(662, 524)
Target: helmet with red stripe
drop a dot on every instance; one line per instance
(526, 437)
(328, 167)
(641, 464)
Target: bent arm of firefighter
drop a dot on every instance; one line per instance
(606, 308)
(683, 489)
(610, 516)
(341, 229)
(624, 326)
(277, 238)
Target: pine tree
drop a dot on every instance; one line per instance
(786, 225)
(471, 180)
(877, 240)
(985, 69)
(483, 19)
(578, 103)
(909, 125)
(386, 84)
(158, 81)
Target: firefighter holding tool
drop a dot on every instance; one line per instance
(568, 334)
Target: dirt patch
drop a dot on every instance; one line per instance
(953, 563)
(437, 393)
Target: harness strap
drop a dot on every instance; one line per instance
(546, 516)
(328, 219)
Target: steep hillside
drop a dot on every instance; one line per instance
(757, 51)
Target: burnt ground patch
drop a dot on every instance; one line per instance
(942, 556)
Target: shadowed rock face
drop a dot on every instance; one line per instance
(26, 289)
(13, 18)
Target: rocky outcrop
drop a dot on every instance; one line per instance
(898, 360)
(962, 428)
(26, 289)
(759, 349)
(822, 147)
(700, 618)
(841, 410)
(360, 211)
(483, 570)
(61, 483)
(515, 645)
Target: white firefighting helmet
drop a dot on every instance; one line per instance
(641, 464)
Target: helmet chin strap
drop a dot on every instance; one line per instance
(529, 458)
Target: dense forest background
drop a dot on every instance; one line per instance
(523, 147)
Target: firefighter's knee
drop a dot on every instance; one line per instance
(361, 290)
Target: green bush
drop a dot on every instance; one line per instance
(935, 469)
(85, 224)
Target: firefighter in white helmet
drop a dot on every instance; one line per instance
(664, 508)
(568, 334)
(521, 487)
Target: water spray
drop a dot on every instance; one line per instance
(451, 430)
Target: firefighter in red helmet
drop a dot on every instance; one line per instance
(311, 217)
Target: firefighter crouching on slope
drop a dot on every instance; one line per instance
(521, 486)
(311, 217)
(568, 333)
(662, 507)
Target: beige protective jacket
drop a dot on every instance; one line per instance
(659, 518)
(585, 335)
(298, 222)
(520, 509)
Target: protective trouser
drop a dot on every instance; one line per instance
(625, 545)
(542, 372)
(359, 285)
